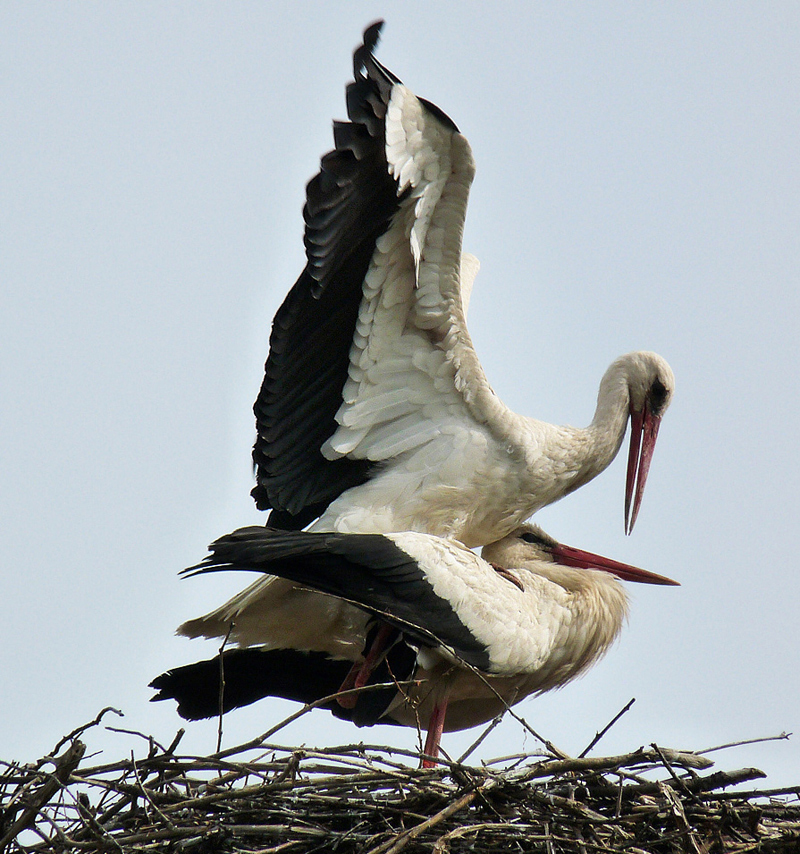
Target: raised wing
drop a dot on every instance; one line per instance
(369, 353)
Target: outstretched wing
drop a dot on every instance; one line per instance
(369, 352)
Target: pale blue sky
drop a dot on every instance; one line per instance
(637, 188)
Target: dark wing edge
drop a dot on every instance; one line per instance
(349, 204)
(368, 570)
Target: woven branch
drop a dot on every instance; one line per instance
(263, 797)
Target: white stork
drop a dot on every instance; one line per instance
(469, 635)
(375, 414)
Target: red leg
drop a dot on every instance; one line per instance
(435, 727)
(359, 673)
(349, 702)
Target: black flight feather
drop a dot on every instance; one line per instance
(367, 570)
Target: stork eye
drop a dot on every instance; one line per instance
(658, 395)
(533, 538)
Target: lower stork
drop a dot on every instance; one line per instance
(452, 638)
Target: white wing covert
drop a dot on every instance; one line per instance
(402, 381)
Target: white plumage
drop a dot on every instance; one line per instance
(376, 420)
(375, 413)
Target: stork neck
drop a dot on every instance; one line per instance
(607, 430)
(571, 456)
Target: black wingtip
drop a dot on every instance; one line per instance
(372, 35)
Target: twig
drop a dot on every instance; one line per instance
(666, 763)
(717, 780)
(170, 751)
(221, 699)
(612, 763)
(606, 728)
(479, 740)
(259, 740)
(147, 797)
(152, 743)
(572, 806)
(782, 737)
(81, 729)
(753, 793)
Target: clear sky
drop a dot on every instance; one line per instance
(637, 188)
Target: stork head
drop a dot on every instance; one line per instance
(650, 387)
(530, 542)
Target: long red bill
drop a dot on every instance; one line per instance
(644, 432)
(568, 556)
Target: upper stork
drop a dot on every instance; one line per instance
(375, 414)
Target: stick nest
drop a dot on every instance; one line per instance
(262, 797)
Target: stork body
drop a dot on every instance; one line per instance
(473, 638)
(375, 414)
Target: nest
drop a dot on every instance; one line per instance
(263, 797)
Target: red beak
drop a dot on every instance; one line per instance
(644, 431)
(569, 556)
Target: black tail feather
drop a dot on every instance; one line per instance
(305, 677)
